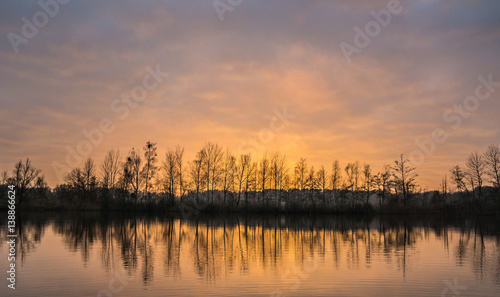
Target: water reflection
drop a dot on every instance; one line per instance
(217, 246)
(29, 234)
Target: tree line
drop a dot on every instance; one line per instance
(217, 179)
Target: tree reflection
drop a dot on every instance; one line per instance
(217, 247)
(29, 234)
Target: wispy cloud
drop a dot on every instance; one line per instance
(226, 77)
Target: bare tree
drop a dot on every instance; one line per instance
(264, 172)
(492, 160)
(476, 169)
(170, 174)
(278, 171)
(356, 174)
(444, 187)
(250, 180)
(382, 180)
(132, 171)
(213, 161)
(311, 182)
(83, 180)
(405, 176)
(349, 180)
(149, 169)
(352, 171)
(41, 187)
(23, 177)
(75, 179)
(458, 177)
(472, 182)
(336, 179)
(242, 169)
(110, 169)
(322, 181)
(89, 174)
(367, 181)
(4, 176)
(125, 177)
(197, 174)
(228, 174)
(179, 154)
(301, 174)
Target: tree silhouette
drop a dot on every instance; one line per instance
(383, 181)
(197, 175)
(179, 155)
(322, 181)
(213, 160)
(301, 174)
(229, 173)
(264, 172)
(242, 174)
(458, 177)
(476, 170)
(336, 179)
(170, 174)
(278, 172)
(404, 175)
(219, 174)
(149, 169)
(367, 181)
(110, 169)
(492, 160)
(23, 177)
(83, 180)
(132, 171)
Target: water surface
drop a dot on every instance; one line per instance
(90, 254)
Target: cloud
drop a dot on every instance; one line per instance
(227, 77)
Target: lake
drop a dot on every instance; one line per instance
(92, 254)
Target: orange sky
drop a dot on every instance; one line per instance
(227, 77)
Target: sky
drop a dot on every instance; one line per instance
(324, 80)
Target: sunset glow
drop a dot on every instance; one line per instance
(226, 78)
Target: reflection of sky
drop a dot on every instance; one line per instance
(82, 257)
(226, 78)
